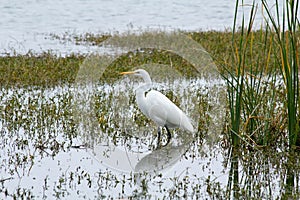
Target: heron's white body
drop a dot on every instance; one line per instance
(161, 110)
(158, 107)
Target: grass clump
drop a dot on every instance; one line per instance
(45, 69)
(261, 62)
(286, 27)
(263, 94)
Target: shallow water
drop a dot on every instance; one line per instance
(110, 157)
(91, 141)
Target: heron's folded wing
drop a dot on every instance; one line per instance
(162, 110)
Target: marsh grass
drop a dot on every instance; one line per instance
(252, 89)
(45, 69)
(286, 25)
(254, 79)
(260, 62)
(240, 89)
(49, 69)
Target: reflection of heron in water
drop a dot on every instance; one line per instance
(158, 107)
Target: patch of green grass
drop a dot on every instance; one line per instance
(148, 56)
(45, 69)
(49, 69)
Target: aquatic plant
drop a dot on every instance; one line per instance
(257, 118)
(253, 81)
(286, 25)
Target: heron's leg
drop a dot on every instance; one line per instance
(158, 135)
(169, 135)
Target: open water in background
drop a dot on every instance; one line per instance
(26, 25)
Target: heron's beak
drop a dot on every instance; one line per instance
(131, 72)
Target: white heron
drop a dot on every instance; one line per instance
(158, 107)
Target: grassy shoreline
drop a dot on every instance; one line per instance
(49, 69)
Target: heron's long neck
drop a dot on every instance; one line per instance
(141, 93)
(146, 86)
(147, 79)
(143, 89)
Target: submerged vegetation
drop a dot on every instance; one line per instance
(261, 135)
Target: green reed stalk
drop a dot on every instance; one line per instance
(235, 77)
(286, 27)
(258, 91)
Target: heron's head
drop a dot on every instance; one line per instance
(140, 73)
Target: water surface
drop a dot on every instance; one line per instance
(24, 25)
